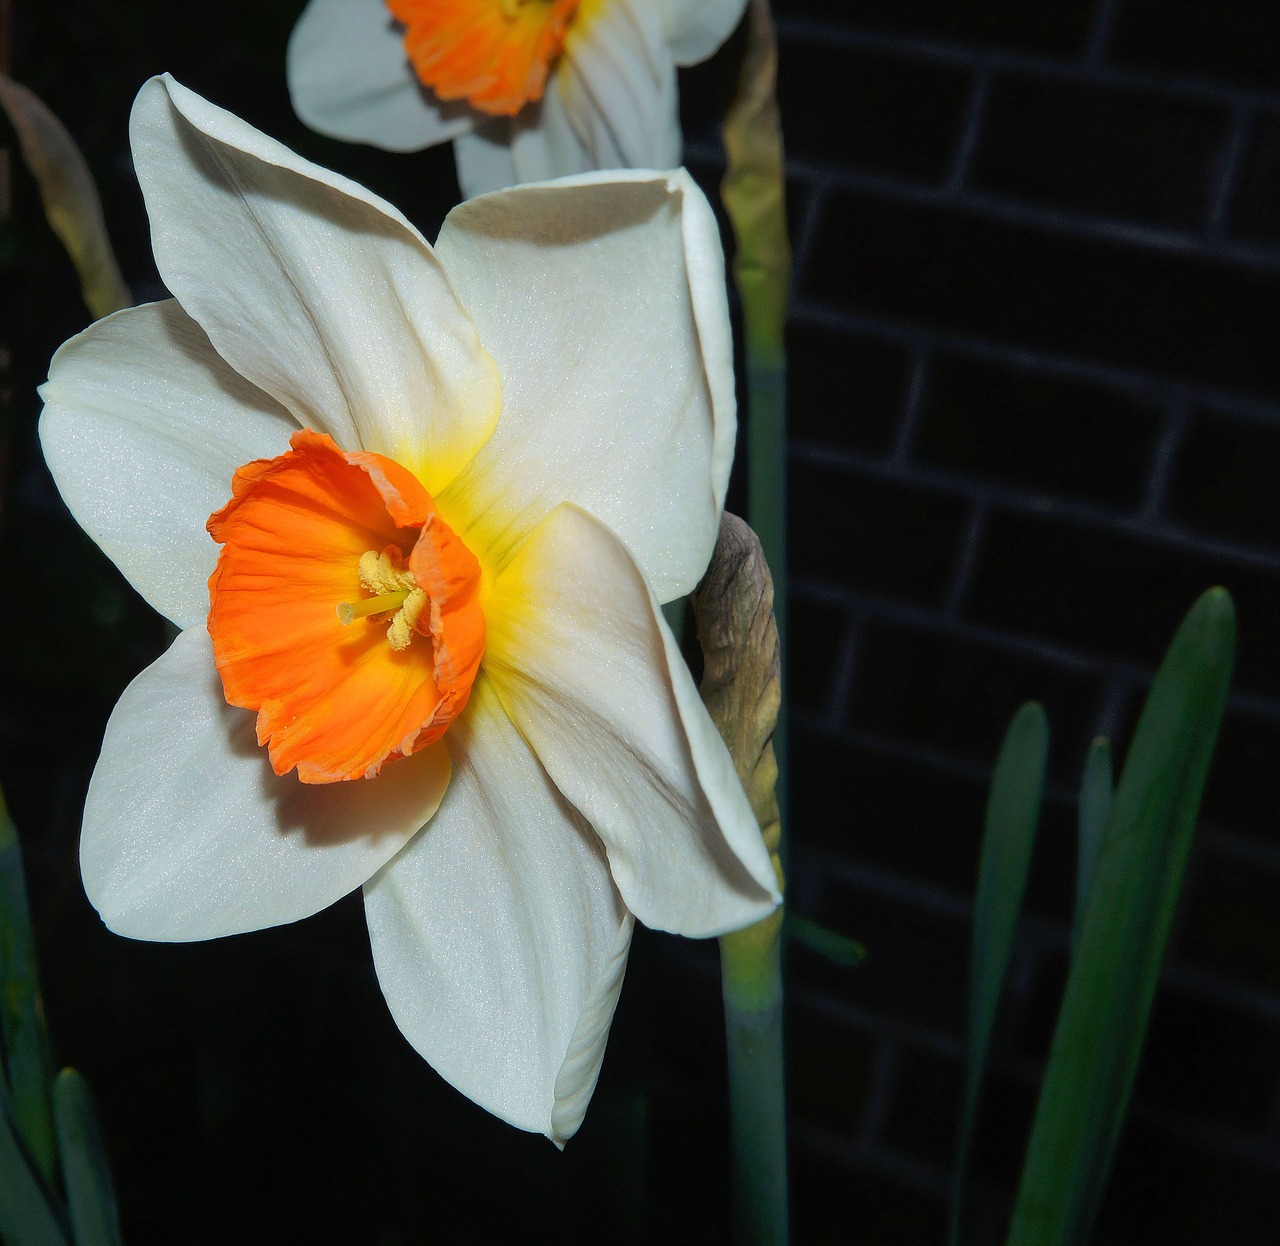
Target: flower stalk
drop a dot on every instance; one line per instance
(754, 196)
(733, 609)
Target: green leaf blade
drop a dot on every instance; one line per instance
(1013, 813)
(86, 1174)
(1124, 928)
(27, 1213)
(1097, 789)
(25, 1065)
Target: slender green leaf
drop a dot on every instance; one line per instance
(1013, 810)
(86, 1174)
(1116, 961)
(70, 197)
(27, 1213)
(1096, 791)
(827, 943)
(26, 1065)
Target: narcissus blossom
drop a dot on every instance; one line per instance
(526, 89)
(414, 511)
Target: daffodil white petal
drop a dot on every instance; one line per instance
(349, 78)
(610, 103)
(143, 427)
(622, 277)
(312, 288)
(498, 936)
(590, 673)
(696, 28)
(535, 146)
(616, 84)
(188, 834)
(486, 161)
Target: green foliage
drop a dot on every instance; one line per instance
(1133, 848)
(1013, 810)
(91, 1199)
(26, 1061)
(1096, 792)
(43, 1137)
(1124, 925)
(830, 944)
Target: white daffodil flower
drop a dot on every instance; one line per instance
(461, 480)
(526, 89)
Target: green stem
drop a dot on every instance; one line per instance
(754, 195)
(751, 967)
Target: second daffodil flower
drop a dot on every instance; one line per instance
(526, 89)
(414, 510)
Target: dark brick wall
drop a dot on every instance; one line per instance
(1035, 412)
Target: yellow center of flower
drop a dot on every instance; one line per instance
(343, 609)
(495, 54)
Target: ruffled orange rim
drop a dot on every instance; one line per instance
(337, 700)
(495, 54)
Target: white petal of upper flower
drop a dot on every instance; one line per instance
(143, 427)
(312, 288)
(590, 673)
(349, 78)
(188, 834)
(498, 936)
(696, 28)
(610, 103)
(485, 159)
(535, 146)
(619, 280)
(616, 85)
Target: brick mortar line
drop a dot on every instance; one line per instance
(1163, 461)
(1273, 1117)
(1100, 29)
(941, 759)
(916, 1175)
(1026, 213)
(1112, 703)
(1053, 652)
(835, 1008)
(884, 1068)
(967, 144)
(1228, 170)
(913, 397)
(993, 494)
(1039, 934)
(1245, 848)
(971, 543)
(868, 1020)
(806, 228)
(1205, 1133)
(1133, 381)
(888, 883)
(1077, 69)
(844, 677)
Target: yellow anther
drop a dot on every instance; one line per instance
(394, 589)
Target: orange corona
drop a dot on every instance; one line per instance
(495, 54)
(343, 609)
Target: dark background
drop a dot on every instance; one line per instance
(1035, 411)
